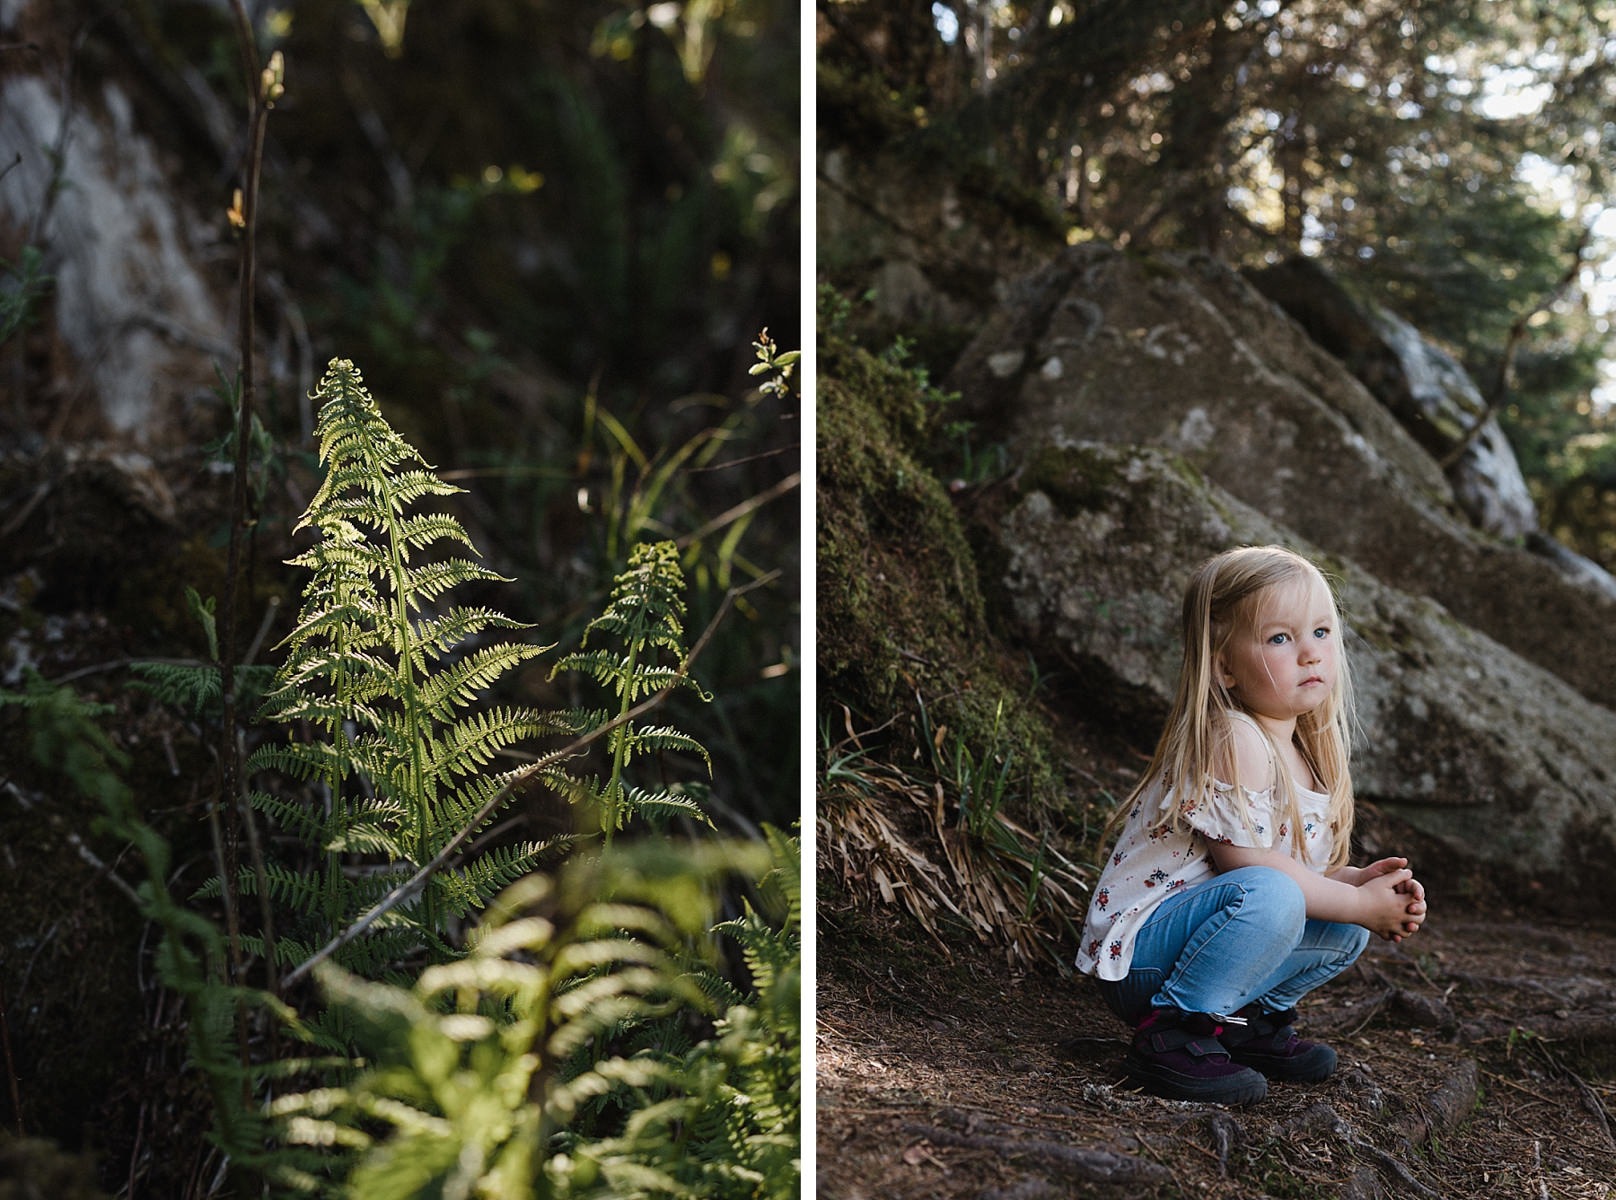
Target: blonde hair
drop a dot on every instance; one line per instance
(1227, 595)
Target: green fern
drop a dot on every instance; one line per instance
(644, 622)
(384, 671)
(761, 1041)
(468, 1091)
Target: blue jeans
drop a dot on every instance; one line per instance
(1235, 939)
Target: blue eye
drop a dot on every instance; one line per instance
(1279, 639)
(1322, 632)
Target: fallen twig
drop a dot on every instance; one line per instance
(1094, 1165)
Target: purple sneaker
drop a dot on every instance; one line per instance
(1267, 1043)
(1178, 1055)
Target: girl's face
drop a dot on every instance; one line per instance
(1283, 662)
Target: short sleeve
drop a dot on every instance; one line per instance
(1234, 816)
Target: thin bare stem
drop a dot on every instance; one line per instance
(740, 510)
(11, 1067)
(260, 99)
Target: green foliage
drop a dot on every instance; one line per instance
(265, 460)
(466, 1093)
(762, 1040)
(573, 1048)
(653, 493)
(643, 621)
(774, 363)
(196, 687)
(22, 285)
(190, 687)
(383, 670)
(646, 490)
(717, 475)
(65, 734)
(976, 779)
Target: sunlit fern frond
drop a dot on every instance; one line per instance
(458, 684)
(473, 887)
(391, 677)
(477, 739)
(660, 805)
(644, 655)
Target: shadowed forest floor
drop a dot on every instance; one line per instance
(1477, 1059)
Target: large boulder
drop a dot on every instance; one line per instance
(1421, 384)
(1462, 739)
(1184, 354)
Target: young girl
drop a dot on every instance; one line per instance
(1228, 895)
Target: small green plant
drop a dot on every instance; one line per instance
(647, 492)
(978, 780)
(975, 464)
(195, 688)
(834, 311)
(643, 621)
(23, 284)
(841, 764)
(1016, 885)
(644, 484)
(775, 363)
(64, 734)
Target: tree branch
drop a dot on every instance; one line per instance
(1506, 362)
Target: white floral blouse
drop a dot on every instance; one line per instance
(1152, 861)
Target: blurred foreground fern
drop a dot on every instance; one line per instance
(475, 1084)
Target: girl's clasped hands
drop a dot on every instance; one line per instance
(1395, 898)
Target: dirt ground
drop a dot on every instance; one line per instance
(1477, 1059)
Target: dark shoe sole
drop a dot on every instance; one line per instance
(1314, 1066)
(1238, 1087)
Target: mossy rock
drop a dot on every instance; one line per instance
(898, 592)
(902, 620)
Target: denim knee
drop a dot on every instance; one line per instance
(1271, 897)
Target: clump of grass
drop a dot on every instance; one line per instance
(938, 840)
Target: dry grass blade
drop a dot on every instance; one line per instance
(890, 839)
